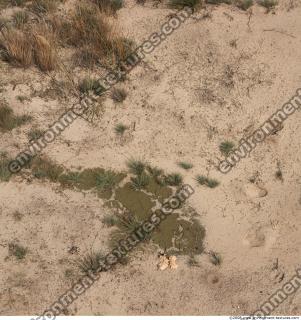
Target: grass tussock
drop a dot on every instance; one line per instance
(91, 29)
(184, 3)
(174, 179)
(118, 95)
(268, 4)
(90, 262)
(44, 53)
(244, 4)
(204, 181)
(9, 121)
(23, 48)
(41, 7)
(20, 18)
(4, 172)
(109, 6)
(16, 250)
(43, 168)
(15, 48)
(136, 167)
(226, 147)
(185, 165)
(120, 128)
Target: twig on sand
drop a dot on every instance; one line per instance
(282, 32)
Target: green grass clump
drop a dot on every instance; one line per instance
(41, 7)
(20, 18)
(106, 180)
(88, 84)
(35, 134)
(110, 220)
(136, 167)
(4, 172)
(8, 120)
(109, 6)
(141, 181)
(17, 251)
(226, 147)
(268, 4)
(184, 3)
(118, 95)
(185, 165)
(204, 181)
(43, 168)
(120, 128)
(90, 262)
(244, 4)
(174, 179)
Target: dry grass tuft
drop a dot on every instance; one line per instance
(93, 31)
(44, 53)
(16, 49)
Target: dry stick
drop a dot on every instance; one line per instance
(249, 20)
(282, 32)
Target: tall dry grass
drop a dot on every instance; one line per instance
(23, 48)
(16, 47)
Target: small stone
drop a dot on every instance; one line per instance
(253, 191)
(172, 262)
(163, 263)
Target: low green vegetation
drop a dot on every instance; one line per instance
(88, 84)
(120, 128)
(118, 95)
(140, 181)
(110, 220)
(226, 147)
(90, 262)
(184, 3)
(185, 165)
(4, 172)
(9, 121)
(174, 179)
(16, 250)
(136, 167)
(244, 4)
(268, 4)
(35, 134)
(204, 181)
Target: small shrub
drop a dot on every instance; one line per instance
(22, 98)
(184, 3)
(136, 167)
(268, 4)
(118, 95)
(210, 183)
(17, 250)
(86, 58)
(226, 147)
(174, 179)
(8, 120)
(244, 4)
(20, 18)
(139, 182)
(185, 165)
(279, 175)
(120, 128)
(90, 262)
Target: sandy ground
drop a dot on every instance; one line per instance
(192, 93)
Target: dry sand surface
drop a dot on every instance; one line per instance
(217, 78)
